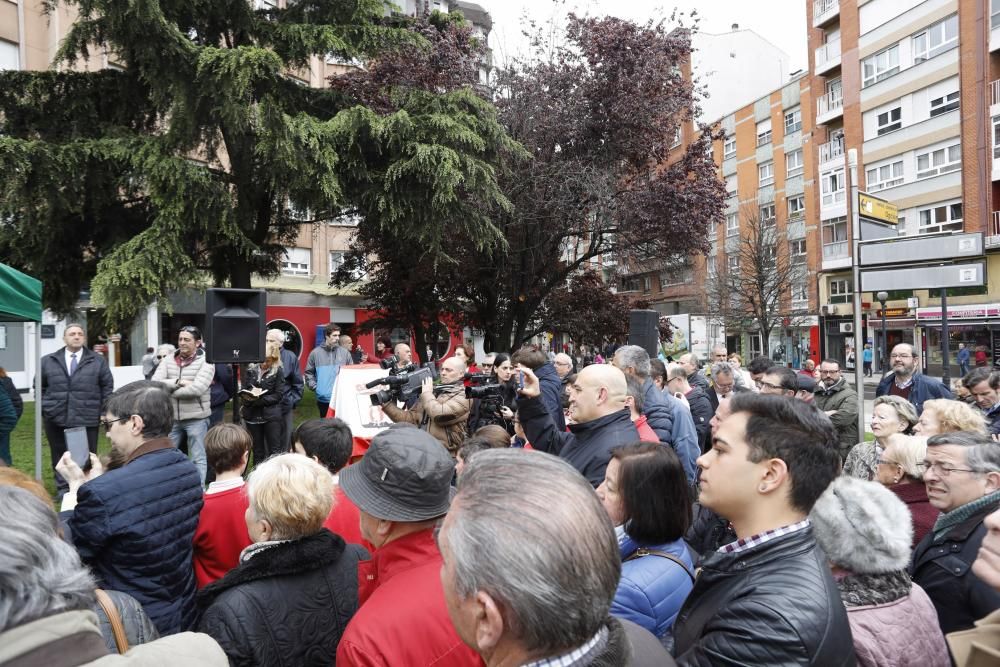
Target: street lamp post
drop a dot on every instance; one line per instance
(884, 347)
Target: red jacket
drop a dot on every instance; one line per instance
(345, 520)
(646, 432)
(914, 494)
(403, 619)
(221, 535)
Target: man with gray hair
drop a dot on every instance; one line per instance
(547, 605)
(134, 525)
(666, 415)
(723, 384)
(292, 387)
(962, 475)
(47, 600)
(690, 363)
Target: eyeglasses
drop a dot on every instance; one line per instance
(160, 356)
(829, 372)
(487, 366)
(943, 470)
(887, 462)
(775, 387)
(900, 356)
(106, 423)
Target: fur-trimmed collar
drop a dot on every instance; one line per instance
(863, 590)
(294, 557)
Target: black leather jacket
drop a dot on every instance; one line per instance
(774, 604)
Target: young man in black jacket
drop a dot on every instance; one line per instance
(768, 597)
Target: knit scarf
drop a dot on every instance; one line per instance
(946, 522)
(862, 590)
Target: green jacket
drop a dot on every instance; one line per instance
(842, 398)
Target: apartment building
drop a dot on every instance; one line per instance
(912, 87)
(300, 300)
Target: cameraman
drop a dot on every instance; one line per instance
(500, 410)
(443, 411)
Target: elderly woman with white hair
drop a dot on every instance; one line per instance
(866, 532)
(295, 589)
(47, 599)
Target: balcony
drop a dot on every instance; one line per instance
(829, 107)
(827, 57)
(824, 10)
(992, 236)
(831, 151)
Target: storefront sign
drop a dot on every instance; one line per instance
(877, 210)
(960, 312)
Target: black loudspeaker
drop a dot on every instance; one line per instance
(235, 325)
(643, 330)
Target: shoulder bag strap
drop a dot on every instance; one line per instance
(114, 619)
(643, 551)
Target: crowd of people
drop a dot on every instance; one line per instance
(640, 511)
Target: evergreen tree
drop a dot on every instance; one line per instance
(204, 154)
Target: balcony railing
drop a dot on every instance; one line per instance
(995, 92)
(827, 52)
(823, 9)
(836, 250)
(830, 102)
(992, 236)
(831, 150)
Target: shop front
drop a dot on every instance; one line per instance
(899, 324)
(977, 326)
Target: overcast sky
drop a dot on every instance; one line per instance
(782, 22)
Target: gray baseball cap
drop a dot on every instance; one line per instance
(404, 476)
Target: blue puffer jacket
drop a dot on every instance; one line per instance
(924, 388)
(652, 588)
(134, 527)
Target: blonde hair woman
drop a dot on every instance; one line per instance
(261, 392)
(900, 469)
(943, 415)
(296, 579)
(890, 415)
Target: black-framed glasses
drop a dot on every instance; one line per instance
(887, 462)
(106, 423)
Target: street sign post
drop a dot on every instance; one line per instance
(929, 248)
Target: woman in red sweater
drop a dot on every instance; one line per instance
(900, 470)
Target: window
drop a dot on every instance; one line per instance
(764, 132)
(336, 260)
(889, 121)
(840, 290)
(832, 187)
(793, 163)
(936, 39)
(765, 173)
(793, 120)
(296, 262)
(677, 138)
(835, 238)
(713, 233)
(880, 66)
(940, 161)
(729, 147)
(767, 218)
(731, 185)
(800, 293)
(630, 284)
(996, 137)
(797, 251)
(9, 56)
(886, 176)
(733, 264)
(994, 14)
(732, 224)
(941, 218)
(647, 283)
(796, 207)
(944, 104)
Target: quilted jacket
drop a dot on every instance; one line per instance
(673, 424)
(652, 588)
(773, 604)
(194, 400)
(899, 633)
(77, 400)
(134, 527)
(286, 605)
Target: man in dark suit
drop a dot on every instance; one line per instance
(723, 384)
(75, 384)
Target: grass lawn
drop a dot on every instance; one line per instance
(22, 439)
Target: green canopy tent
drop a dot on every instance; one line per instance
(21, 301)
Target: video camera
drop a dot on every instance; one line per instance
(403, 383)
(482, 387)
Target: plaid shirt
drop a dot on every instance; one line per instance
(595, 645)
(761, 538)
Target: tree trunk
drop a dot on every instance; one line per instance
(239, 276)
